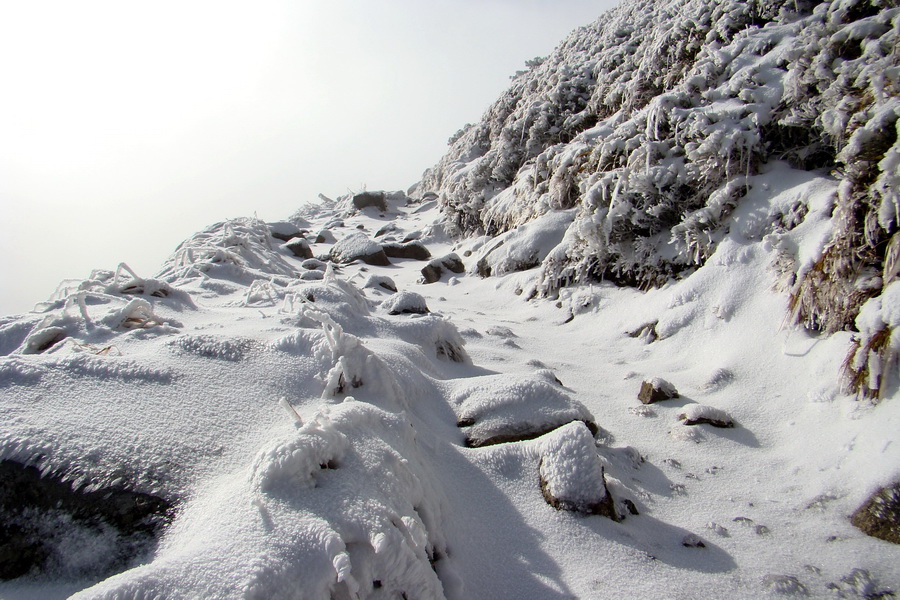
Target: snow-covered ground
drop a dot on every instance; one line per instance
(321, 436)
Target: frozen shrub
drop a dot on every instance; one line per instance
(649, 123)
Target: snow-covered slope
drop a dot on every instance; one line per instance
(289, 410)
(649, 123)
(326, 437)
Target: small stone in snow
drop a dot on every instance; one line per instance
(656, 390)
(696, 414)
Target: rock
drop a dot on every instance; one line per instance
(453, 263)
(630, 506)
(42, 516)
(299, 247)
(656, 390)
(571, 473)
(406, 303)
(312, 275)
(358, 246)
(386, 229)
(284, 231)
(314, 264)
(381, 281)
(879, 516)
(646, 332)
(432, 273)
(786, 585)
(692, 540)
(367, 199)
(435, 269)
(413, 250)
(499, 411)
(696, 414)
(325, 237)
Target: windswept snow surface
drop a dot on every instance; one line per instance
(314, 444)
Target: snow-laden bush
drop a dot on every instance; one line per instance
(237, 249)
(651, 121)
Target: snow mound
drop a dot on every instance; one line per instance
(524, 247)
(499, 409)
(291, 520)
(358, 246)
(405, 303)
(572, 472)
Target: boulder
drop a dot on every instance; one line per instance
(386, 229)
(42, 518)
(381, 281)
(312, 275)
(431, 273)
(879, 516)
(571, 473)
(434, 270)
(406, 303)
(453, 263)
(299, 247)
(373, 199)
(500, 411)
(284, 231)
(325, 237)
(358, 246)
(314, 264)
(413, 250)
(656, 390)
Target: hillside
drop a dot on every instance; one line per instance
(631, 338)
(651, 122)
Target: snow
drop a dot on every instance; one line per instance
(405, 302)
(571, 468)
(322, 436)
(353, 246)
(317, 438)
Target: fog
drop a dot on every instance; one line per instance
(126, 127)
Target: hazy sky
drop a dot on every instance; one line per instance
(125, 127)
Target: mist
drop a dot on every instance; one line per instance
(125, 128)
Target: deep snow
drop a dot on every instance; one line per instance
(316, 444)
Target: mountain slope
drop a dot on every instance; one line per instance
(649, 123)
(447, 394)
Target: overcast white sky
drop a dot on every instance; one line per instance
(125, 127)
